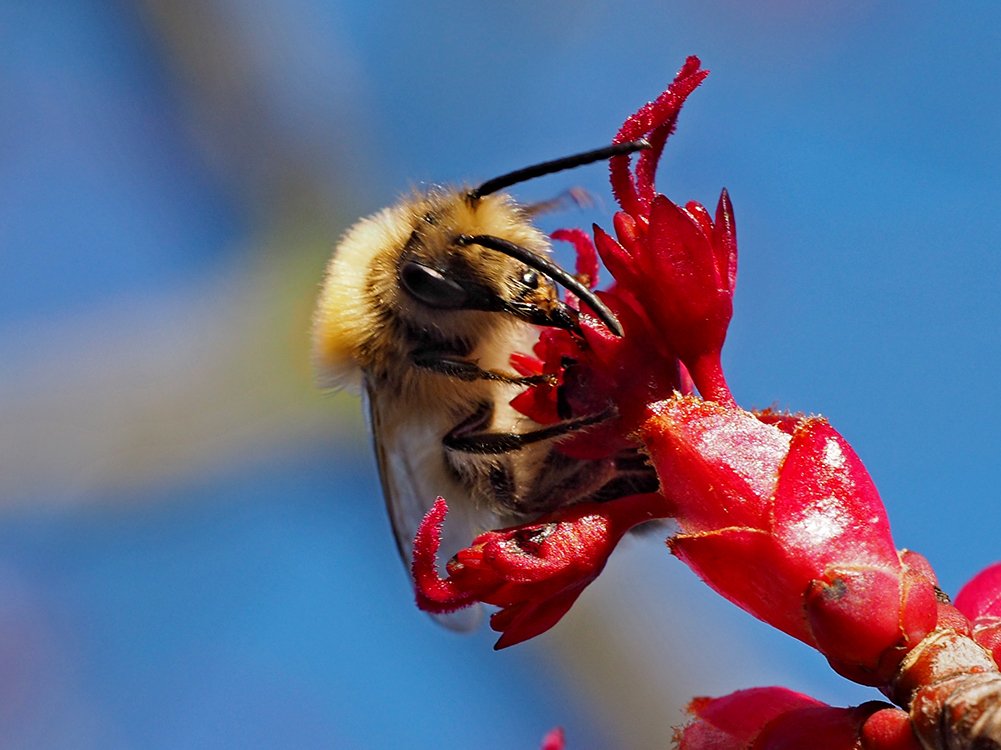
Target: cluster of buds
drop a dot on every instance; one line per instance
(774, 511)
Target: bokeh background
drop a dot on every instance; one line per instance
(193, 550)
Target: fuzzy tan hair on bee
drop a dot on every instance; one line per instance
(360, 301)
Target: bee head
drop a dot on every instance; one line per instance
(448, 267)
(405, 274)
(481, 253)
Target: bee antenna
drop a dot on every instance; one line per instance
(549, 269)
(556, 165)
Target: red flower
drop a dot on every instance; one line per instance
(600, 369)
(675, 270)
(734, 721)
(775, 718)
(534, 573)
(680, 267)
(980, 601)
(790, 528)
(678, 264)
(554, 740)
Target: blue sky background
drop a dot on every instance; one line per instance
(192, 546)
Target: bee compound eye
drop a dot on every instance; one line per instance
(431, 286)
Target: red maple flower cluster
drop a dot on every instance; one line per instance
(775, 512)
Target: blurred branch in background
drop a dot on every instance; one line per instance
(147, 389)
(278, 106)
(179, 376)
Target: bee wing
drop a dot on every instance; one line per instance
(412, 472)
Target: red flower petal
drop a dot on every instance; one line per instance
(616, 258)
(725, 240)
(734, 720)
(747, 567)
(778, 719)
(628, 232)
(821, 728)
(434, 594)
(587, 257)
(655, 119)
(981, 597)
(826, 505)
(719, 464)
(525, 620)
(854, 618)
(980, 601)
(525, 364)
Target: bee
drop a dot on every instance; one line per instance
(421, 306)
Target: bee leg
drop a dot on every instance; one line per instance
(444, 363)
(491, 443)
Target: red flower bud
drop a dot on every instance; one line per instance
(889, 729)
(688, 271)
(773, 718)
(980, 601)
(554, 740)
(791, 528)
(675, 271)
(820, 728)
